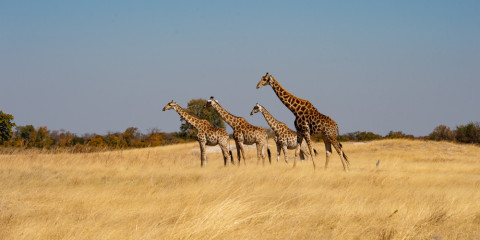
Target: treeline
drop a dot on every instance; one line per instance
(30, 137)
(370, 136)
(469, 133)
(41, 137)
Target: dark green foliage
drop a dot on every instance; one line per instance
(6, 125)
(25, 134)
(77, 141)
(363, 136)
(196, 108)
(28, 136)
(399, 134)
(442, 133)
(469, 133)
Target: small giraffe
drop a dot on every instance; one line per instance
(208, 135)
(285, 138)
(308, 122)
(243, 133)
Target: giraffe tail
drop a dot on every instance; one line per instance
(230, 152)
(269, 155)
(315, 151)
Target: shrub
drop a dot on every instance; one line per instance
(442, 133)
(399, 134)
(362, 136)
(6, 125)
(469, 133)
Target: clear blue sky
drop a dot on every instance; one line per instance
(98, 66)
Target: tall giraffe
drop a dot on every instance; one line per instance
(243, 133)
(285, 138)
(308, 122)
(208, 135)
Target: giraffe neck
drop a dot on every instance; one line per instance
(228, 117)
(189, 118)
(287, 98)
(272, 122)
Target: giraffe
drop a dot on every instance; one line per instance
(308, 122)
(285, 138)
(208, 135)
(243, 133)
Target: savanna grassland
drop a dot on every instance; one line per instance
(420, 190)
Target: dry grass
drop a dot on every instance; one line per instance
(421, 190)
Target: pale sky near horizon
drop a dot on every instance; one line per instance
(100, 66)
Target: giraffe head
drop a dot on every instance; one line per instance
(210, 102)
(170, 105)
(266, 80)
(256, 108)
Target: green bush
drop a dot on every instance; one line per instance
(442, 133)
(469, 133)
(362, 136)
(6, 125)
(399, 134)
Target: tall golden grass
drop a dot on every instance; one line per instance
(420, 190)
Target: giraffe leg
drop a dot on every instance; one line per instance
(260, 153)
(266, 151)
(297, 148)
(306, 133)
(284, 148)
(304, 150)
(225, 154)
(328, 150)
(243, 154)
(337, 147)
(203, 154)
(238, 153)
(279, 149)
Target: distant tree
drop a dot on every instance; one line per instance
(173, 138)
(195, 107)
(62, 138)
(96, 141)
(6, 125)
(42, 140)
(442, 132)
(28, 136)
(132, 137)
(154, 138)
(469, 133)
(363, 136)
(25, 135)
(398, 134)
(77, 141)
(343, 138)
(115, 140)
